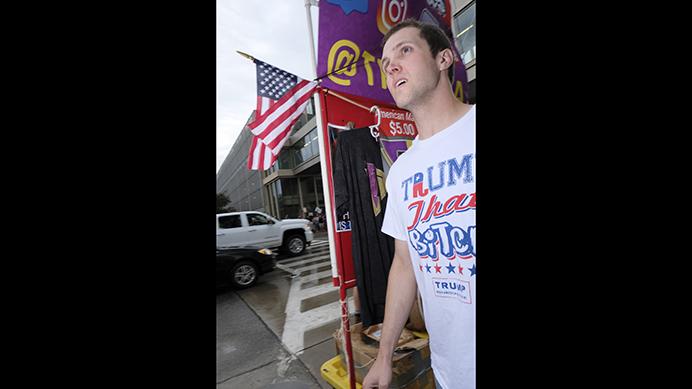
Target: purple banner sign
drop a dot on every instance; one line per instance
(350, 34)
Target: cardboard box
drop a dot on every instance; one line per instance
(374, 332)
(410, 363)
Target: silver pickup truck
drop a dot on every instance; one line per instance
(253, 228)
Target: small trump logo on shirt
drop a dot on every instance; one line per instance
(449, 287)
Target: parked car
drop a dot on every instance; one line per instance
(242, 266)
(255, 228)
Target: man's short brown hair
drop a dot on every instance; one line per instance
(436, 38)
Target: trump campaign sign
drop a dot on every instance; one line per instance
(350, 37)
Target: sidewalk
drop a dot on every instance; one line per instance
(249, 355)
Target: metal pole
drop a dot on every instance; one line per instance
(321, 142)
(328, 210)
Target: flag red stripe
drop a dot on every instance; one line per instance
(259, 106)
(285, 116)
(283, 134)
(280, 103)
(261, 156)
(251, 154)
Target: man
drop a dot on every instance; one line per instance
(431, 209)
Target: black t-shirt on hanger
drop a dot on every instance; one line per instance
(359, 189)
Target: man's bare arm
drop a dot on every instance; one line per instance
(401, 293)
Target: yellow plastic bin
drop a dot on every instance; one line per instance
(334, 372)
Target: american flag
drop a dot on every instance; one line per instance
(281, 99)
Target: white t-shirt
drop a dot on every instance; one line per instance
(432, 206)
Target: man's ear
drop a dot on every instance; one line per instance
(445, 59)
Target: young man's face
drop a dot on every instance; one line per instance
(412, 72)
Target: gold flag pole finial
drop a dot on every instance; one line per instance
(248, 56)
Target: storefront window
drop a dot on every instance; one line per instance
(274, 193)
(320, 193)
(307, 189)
(305, 116)
(309, 109)
(287, 197)
(465, 39)
(286, 160)
(306, 147)
(270, 170)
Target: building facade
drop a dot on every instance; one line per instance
(294, 182)
(242, 186)
(464, 31)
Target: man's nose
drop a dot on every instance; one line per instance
(392, 68)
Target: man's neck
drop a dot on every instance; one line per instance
(439, 112)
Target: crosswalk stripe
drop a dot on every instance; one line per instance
(306, 256)
(298, 323)
(285, 268)
(303, 262)
(304, 269)
(322, 314)
(316, 276)
(298, 271)
(317, 290)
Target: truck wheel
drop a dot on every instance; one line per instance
(295, 245)
(244, 274)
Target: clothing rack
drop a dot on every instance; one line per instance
(327, 92)
(347, 127)
(374, 129)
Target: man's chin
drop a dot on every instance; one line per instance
(401, 103)
(403, 106)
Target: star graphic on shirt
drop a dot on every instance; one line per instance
(450, 268)
(427, 267)
(473, 269)
(460, 269)
(437, 268)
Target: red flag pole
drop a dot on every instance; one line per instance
(322, 142)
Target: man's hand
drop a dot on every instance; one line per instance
(379, 376)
